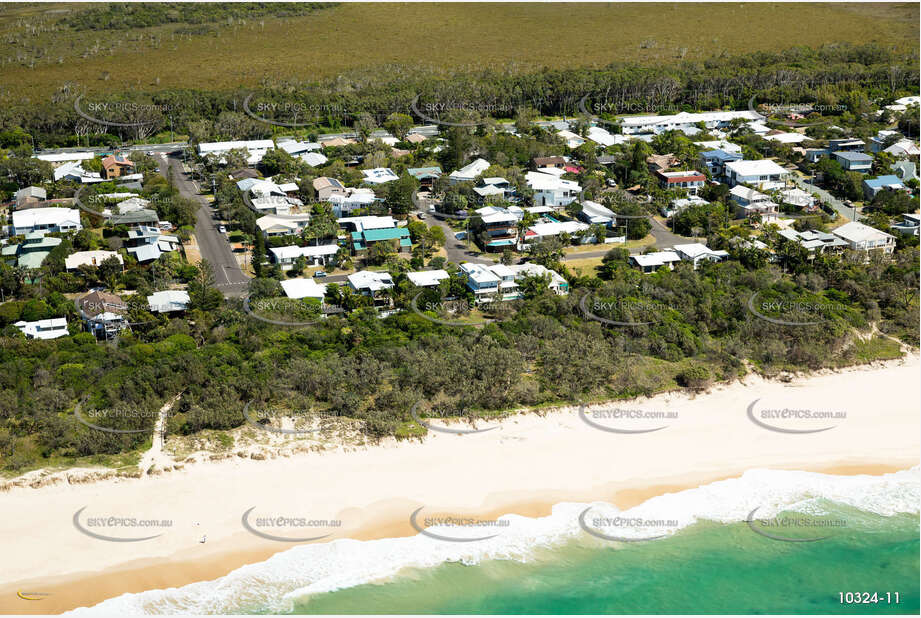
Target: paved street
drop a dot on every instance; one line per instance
(845, 211)
(228, 276)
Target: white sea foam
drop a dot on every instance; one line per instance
(273, 585)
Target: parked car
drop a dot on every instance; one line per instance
(222, 229)
(319, 273)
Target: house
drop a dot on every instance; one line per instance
(872, 186)
(427, 278)
(572, 140)
(74, 172)
(313, 159)
(494, 186)
(132, 204)
(786, 138)
(304, 288)
(326, 187)
(354, 199)
(44, 329)
(396, 236)
(282, 226)
(696, 252)
(603, 138)
(90, 258)
(751, 203)
(716, 161)
(557, 162)
(660, 163)
(905, 170)
(677, 205)
(425, 175)
(147, 243)
(64, 157)
(550, 190)
(296, 148)
(689, 180)
(763, 173)
(903, 148)
(853, 161)
(883, 137)
(379, 175)
(798, 197)
(501, 226)
(549, 229)
(594, 213)
(168, 301)
(103, 314)
(337, 142)
(30, 195)
(909, 225)
(860, 237)
(116, 165)
(469, 172)
(244, 172)
(684, 121)
(557, 284)
(651, 262)
(415, 138)
(815, 242)
(46, 220)
(136, 218)
(317, 255)
(255, 149)
(846, 144)
(489, 283)
(274, 204)
(373, 285)
(369, 222)
(32, 251)
(724, 145)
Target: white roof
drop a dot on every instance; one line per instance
(761, 167)
(221, 147)
(294, 252)
(559, 227)
(471, 170)
(146, 253)
(44, 329)
(529, 268)
(908, 101)
(857, 232)
(290, 222)
(689, 118)
(601, 136)
(369, 222)
(488, 190)
(749, 195)
(32, 217)
(539, 181)
(787, 138)
(168, 300)
(370, 280)
(295, 147)
(723, 145)
(65, 156)
(904, 147)
(379, 175)
(427, 278)
(479, 273)
(696, 250)
(572, 139)
(658, 258)
(354, 197)
(89, 258)
(132, 205)
(594, 209)
(303, 288)
(313, 159)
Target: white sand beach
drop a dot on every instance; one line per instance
(525, 465)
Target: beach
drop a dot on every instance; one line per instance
(865, 422)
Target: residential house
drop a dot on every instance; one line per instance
(501, 226)
(313, 159)
(489, 283)
(46, 220)
(724, 145)
(751, 203)
(74, 261)
(104, 314)
(469, 172)
(550, 190)
(147, 243)
(651, 262)
(853, 161)
(689, 180)
(798, 197)
(909, 225)
(326, 187)
(354, 199)
(32, 251)
(556, 161)
(786, 138)
(168, 301)
(557, 284)
(372, 284)
(883, 137)
(905, 170)
(903, 148)
(815, 242)
(660, 163)
(255, 149)
(116, 165)
(379, 175)
(846, 144)
(872, 186)
(425, 175)
(684, 121)
(317, 255)
(716, 161)
(398, 237)
(44, 329)
(677, 205)
(304, 288)
(30, 196)
(337, 142)
(697, 252)
(860, 237)
(296, 148)
(415, 138)
(427, 278)
(594, 213)
(282, 226)
(549, 229)
(572, 140)
(494, 186)
(74, 172)
(604, 138)
(64, 157)
(763, 173)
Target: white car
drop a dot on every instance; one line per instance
(222, 229)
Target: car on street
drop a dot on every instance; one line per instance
(319, 273)
(222, 229)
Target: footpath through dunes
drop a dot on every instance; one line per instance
(525, 465)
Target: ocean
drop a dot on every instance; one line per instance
(815, 544)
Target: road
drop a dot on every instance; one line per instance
(456, 250)
(228, 276)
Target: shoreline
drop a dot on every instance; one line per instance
(373, 490)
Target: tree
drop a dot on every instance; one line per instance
(202, 293)
(109, 271)
(400, 194)
(258, 256)
(365, 126)
(398, 125)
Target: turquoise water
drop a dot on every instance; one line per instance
(705, 568)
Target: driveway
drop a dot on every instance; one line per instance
(457, 250)
(845, 211)
(229, 278)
